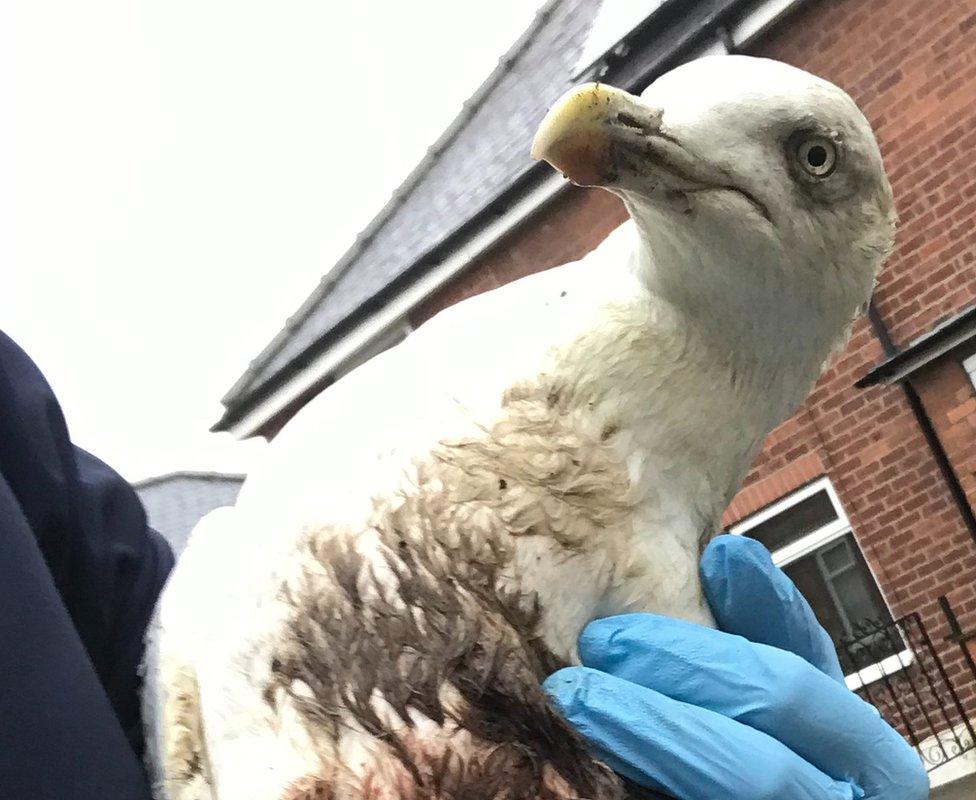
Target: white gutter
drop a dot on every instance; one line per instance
(763, 16)
(394, 315)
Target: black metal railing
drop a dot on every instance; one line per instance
(965, 640)
(902, 674)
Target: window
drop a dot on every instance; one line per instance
(811, 541)
(969, 364)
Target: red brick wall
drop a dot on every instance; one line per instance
(911, 66)
(950, 400)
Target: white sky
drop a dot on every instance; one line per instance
(176, 176)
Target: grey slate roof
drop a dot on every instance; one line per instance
(482, 153)
(175, 502)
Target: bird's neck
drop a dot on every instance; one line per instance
(770, 323)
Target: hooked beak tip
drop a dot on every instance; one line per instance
(575, 135)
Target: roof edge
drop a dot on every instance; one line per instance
(399, 196)
(956, 331)
(374, 318)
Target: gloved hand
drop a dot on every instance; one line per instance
(755, 711)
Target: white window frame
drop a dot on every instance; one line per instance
(969, 364)
(814, 540)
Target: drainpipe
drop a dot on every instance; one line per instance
(925, 423)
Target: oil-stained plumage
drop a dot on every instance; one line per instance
(427, 538)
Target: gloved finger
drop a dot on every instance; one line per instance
(764, 688)
(685, 751)
(752, 597)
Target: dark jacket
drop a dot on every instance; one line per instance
(80, 571)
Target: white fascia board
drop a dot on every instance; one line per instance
(395, 313)
(762, 16)
(750, 27)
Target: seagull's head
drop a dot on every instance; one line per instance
(752, 182)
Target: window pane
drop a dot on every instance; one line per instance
(859, 594)
(795, 522)
(805, 573)
(847, 603)
(839, 557)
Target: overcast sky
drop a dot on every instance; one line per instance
(175, 178)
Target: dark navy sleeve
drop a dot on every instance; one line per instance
(80, 571)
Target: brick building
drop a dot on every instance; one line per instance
(866, 494)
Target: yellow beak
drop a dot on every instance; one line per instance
(576, 136)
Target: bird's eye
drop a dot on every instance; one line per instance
(817, 156)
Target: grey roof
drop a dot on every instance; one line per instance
(175, 502)
(482, 153)
(479, 161)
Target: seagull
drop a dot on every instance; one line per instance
(426, 539)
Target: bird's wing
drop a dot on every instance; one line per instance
(181, 630)
(349, 445)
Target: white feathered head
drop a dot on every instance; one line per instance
(759, 189)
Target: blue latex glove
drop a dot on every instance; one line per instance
(755, 711)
